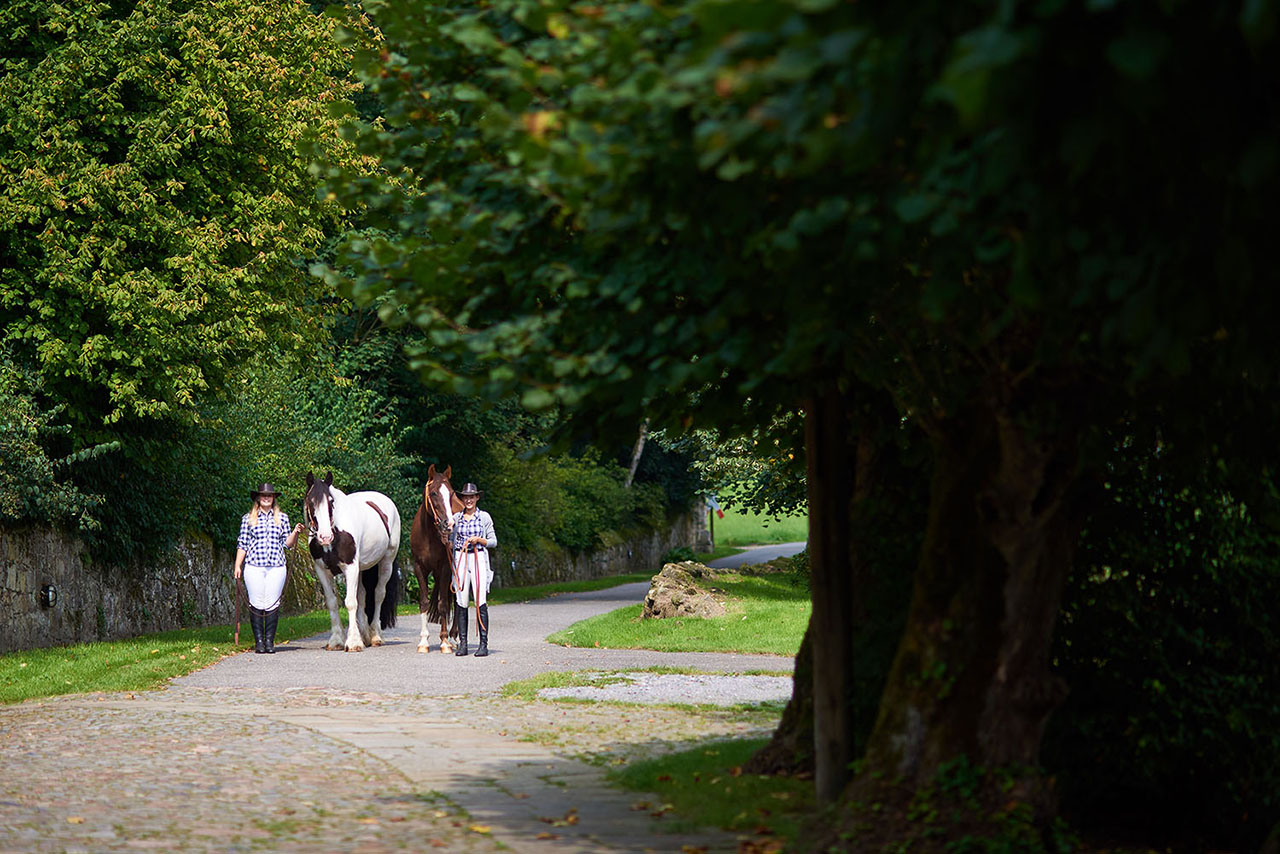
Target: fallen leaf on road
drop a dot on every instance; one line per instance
(439, 843)
(479, 828)
(75, 819)
(368, 821)
(693, 849)
(640, 805)
(440, 814)
(520, 795)
(545, 835)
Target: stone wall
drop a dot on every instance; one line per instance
(640, 553)
(189, 586)
(192, 585)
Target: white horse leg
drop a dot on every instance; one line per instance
(355, 613)
(362, 617)
(379, 596)
(424, 636)
(330, 600)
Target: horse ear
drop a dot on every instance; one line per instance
(328, 479)
(311, 479)
(448, 473)
(431, 471)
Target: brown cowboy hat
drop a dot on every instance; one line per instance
(469, 489)
(264, 489)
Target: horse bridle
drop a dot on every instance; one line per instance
(435, 517)
(307, 516)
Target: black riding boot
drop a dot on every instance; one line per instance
(483, 620)
(460, 617)
(257, 622)
(269, 620)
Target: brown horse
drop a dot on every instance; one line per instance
(429, 546)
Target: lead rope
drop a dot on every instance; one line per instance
(475, 590)
(457, 583)
(239, 582)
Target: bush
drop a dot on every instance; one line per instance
(33, 484)
(678, 555)
(1170, 642)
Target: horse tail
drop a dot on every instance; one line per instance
(392, 599)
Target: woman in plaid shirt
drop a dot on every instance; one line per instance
(472, 537)
(264, 535)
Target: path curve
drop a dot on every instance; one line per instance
(385, 750)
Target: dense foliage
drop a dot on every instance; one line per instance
(153, 202)
(1172, 649)
(1023, 223)
(34, 486)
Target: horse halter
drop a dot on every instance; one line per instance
(435, 516)
(309, 516)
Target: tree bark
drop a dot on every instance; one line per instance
(790, 750)
(831, 486)
(971, 676)
(636, 451)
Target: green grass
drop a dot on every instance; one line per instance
(767, 614)
(746, 529)
(138, 664)
(706, 786)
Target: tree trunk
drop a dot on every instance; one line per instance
(636, 452)
(971, 676)
(790, 751)
(831, 486)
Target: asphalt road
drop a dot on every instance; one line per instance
(516, 643)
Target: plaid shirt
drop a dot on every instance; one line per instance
(264, 545)
(479, 525)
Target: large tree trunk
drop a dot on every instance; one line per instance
(791, 749)
(831, 486)
(971, 677)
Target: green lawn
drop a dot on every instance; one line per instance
(706, 786)
(767, 614)
(138, 664)
(748, 529)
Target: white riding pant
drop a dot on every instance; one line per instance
(472, 576)
(265, 585)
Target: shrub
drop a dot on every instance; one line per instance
(1171, 645)
(33, 484)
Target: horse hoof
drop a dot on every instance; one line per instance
(446, 648)
(424, 648)
(376, 642)
(356, 648)
(334, 647)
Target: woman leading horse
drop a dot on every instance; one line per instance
(473, 537)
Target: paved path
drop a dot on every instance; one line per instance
(758, 554)
(387, 750)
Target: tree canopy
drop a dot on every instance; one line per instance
(154, 206)
(1022, 224)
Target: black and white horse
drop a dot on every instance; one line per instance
(359, 536)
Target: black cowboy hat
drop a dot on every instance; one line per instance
(264, 489)
(469, 489)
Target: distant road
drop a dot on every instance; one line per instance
(758, 554)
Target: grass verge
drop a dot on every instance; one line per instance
(744, 528)
(767, 614)
(137, 664)
(706, 786)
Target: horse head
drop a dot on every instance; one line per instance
(317, 508)
(440, 500)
